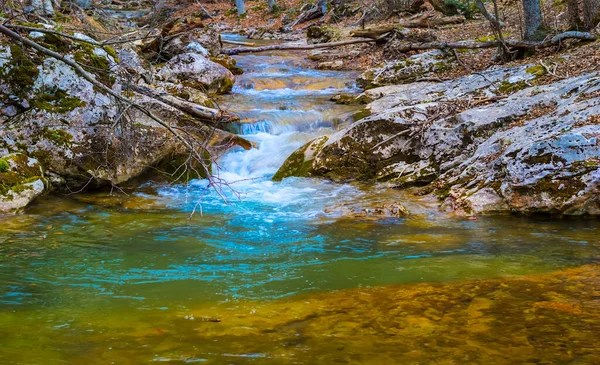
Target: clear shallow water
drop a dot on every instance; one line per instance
(281, 274)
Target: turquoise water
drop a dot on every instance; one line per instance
(99, 278)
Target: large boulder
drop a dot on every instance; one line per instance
(183, 35)
(535, 150)
(204, 41)
(321, 34)
(196, 71)
(80, 133)
(21, 181)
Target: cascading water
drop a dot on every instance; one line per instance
(283, 104)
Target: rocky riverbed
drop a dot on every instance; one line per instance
(490, 142)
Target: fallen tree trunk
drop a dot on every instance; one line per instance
(91, 79)
(204, 114)
(207, 115)
(431, 22)
(410, 23)
(491, 44)
(78, 39)
(405, 47)
(311, 14)
(372, 33)
(277, 47)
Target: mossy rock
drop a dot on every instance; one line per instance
(321, 34)
(349, 99)
(57, 101)
(300, 163)
(100, 66)
(22, 73)
(21, 180)
(229, 63)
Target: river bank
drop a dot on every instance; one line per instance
(305, 270)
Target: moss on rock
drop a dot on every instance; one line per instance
(229, 63)
(22, 73)
(56, 102)
(4, 166)
(507, 87)
(18, 173)
(300, 162)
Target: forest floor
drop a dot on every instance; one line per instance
(570, 59)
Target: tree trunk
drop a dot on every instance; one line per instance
(240, 7)
(573, 14)
(591, 14)
(534, 25)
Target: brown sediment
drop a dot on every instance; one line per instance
(549, 318)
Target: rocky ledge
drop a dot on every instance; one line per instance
(69, 129)
(487, 143)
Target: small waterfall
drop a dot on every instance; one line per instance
(282, 105)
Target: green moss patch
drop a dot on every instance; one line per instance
(21, 76)
(296, 164)
(58, 136)
(16, 173)
(58, 101)
(98, 65)
(508, 87)
(4, 166)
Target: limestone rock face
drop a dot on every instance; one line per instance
(535, 150)
(21, 181)
(80, 134)
(197, 71)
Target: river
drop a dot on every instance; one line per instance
(279, 274)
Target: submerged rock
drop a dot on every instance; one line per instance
(536, 150)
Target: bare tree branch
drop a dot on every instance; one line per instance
(198, 156)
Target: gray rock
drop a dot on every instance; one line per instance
(21, 181)
(81, 135)
(199, 40)
(196, 71)
(407, 70)
(536, 150)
